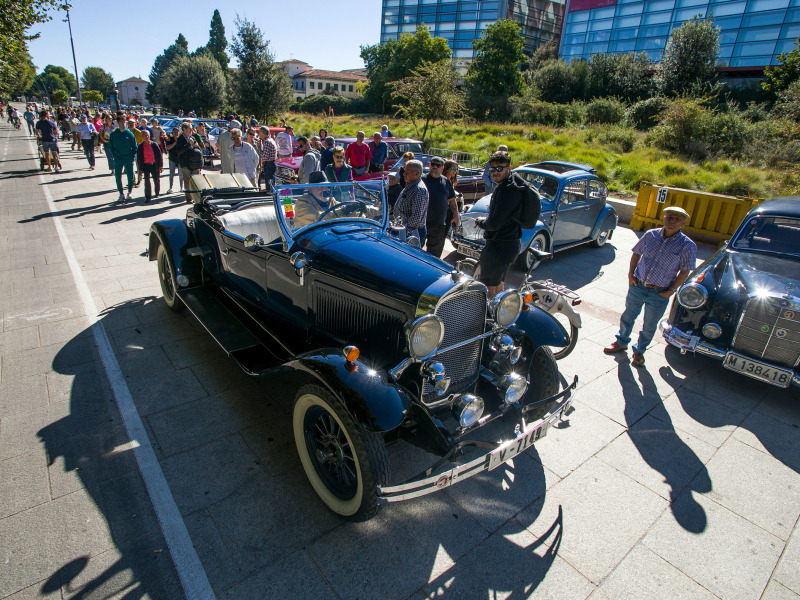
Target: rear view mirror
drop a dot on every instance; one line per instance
(253, 241)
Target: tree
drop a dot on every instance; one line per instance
(556, 82)
(396, 59)
(622, 75)
(18, 74)
(162, 63)
(92, 96)
(193, 83)
(51, 79)
(217, 42)
(494, 75)
(542, 54)
(59, 97)
(16, 18)
(690, 57)
(259, 87)
(780, 77)
(95, 78)
(429, 95)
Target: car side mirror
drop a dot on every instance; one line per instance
(414, 241)
(298, 260)
(253, 242)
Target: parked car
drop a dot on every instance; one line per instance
(392, 344)
(742, 305)
(574, 212)
(397, 147)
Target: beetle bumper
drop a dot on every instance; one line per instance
(524, 438)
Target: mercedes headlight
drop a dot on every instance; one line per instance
(692, 296)
(505, 307)
(424, 335)
(712, 331)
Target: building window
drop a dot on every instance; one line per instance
(327, 86)
(336, 86)
(311, 84)
(350, 88)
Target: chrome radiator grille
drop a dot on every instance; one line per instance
(468, 229)
(769, 331)
(464, 317)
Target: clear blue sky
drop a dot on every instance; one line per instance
(325, 33)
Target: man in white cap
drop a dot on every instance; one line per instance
(662, 260)
(224, 147)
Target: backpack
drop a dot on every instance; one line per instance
(531, 207)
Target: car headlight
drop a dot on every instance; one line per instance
(692, 296)
(468, 409)
(513, 387)
(424, 335)
(712, 331)
(505, 307)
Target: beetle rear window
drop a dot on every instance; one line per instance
(770, 234)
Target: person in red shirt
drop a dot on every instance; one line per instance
(358, 155)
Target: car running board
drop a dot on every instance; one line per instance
(229, 332)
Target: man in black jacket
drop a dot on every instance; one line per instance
(502, 227)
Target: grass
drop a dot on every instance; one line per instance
(619, 154)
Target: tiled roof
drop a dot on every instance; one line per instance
(332, 75)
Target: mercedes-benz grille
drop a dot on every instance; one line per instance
(770, 330)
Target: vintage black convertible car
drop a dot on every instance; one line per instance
(393, 344)
(742, 305)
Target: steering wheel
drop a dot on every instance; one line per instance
(347, 209)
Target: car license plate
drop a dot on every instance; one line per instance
(517, 446)
(468, 251)
(757, 370)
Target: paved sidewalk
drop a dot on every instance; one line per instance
(680, 480)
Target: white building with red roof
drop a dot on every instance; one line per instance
(308, 81)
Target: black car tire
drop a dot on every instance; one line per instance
(366, 453)
(525, 259)
(601, 239)
(166, 276)
(543, 381)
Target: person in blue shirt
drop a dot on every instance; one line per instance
(379, 150)
(326, 156)
(488, 184)
(385, 131)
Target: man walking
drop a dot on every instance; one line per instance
(488, 180)
(87, 132)
(47, 131)
(30, 117)
(190, 157)
(412, 204)
(358, 155)
(245, 157)
(224, 148)
(268, 151)
(501, 227)
(311, 160)
(662, 260)
(441, 195)
(122, 145)
(284, 140)
(379, 150)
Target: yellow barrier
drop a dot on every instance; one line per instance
(710, 214)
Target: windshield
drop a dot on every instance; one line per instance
(770, 234)
(546, 186)
(306, 205)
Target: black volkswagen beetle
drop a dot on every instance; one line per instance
(393, 344)
(742, 305)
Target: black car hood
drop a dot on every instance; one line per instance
(766, 274)
(373, 261)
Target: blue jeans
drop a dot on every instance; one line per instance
(173, 169)
(109, 156)
(423, 234)
(654, 307)
(268, 174)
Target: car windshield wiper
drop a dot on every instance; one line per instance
(372, 195)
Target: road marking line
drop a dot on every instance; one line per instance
(190, 571)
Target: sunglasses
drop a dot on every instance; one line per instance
(338, 156)
(436, 166)
(497, 169)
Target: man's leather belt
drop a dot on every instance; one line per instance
(648, 286)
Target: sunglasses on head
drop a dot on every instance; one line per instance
(498, 169)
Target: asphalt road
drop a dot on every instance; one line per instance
(680, 480)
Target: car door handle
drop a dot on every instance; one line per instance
(586, 208)
(226, 250)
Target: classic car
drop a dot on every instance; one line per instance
(391, 343)
(397, 147)
(574, 212)
(742, 305)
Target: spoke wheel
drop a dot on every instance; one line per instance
(344, 463)
(601, 239)
(166, 276)
(525, 259)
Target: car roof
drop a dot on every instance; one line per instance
(555, 174)
(784, 206)
(561, 167)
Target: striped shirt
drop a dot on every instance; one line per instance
(267, 149)
(412, 205)
(662, 257)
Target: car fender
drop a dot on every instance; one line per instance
(177, 239)
(606, 221)
(529, 234)
(541, 328)
(369, 396)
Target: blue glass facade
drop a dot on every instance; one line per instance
(753, 32)
(461, 22)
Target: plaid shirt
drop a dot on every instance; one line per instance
(663, 257)
(267, 149)
(412, 205)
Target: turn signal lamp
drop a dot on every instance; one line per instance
(351, 353)
(527, 298)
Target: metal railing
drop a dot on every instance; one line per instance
(464, 159)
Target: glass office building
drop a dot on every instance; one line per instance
(461, 22)
(753, 32)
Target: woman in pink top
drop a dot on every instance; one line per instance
(98, 125)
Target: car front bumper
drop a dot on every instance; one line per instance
(524, 438)
(684, 342)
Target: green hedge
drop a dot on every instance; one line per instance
(340, 105)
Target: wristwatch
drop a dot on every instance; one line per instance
(672, 289)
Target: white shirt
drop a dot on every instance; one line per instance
(238, 159)
(284, 141)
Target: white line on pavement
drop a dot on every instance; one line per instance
(190, 571)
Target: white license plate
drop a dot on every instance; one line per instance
(468, 251)
(517, 446)
(758, 370)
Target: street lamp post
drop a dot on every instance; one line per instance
(74, 62)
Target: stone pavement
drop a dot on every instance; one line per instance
(680, 480)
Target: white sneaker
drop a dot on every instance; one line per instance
(91, 168)
(169, 191)
(130, 197)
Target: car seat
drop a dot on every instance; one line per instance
(260, 220)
